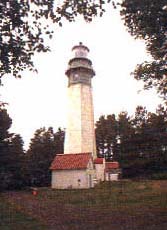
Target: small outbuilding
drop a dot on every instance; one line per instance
(74, 170)
(106, 171)
(112, 171)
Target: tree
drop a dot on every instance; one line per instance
(150, 131)
(43, 148)
(144, 151)
(16, 160)
(24, 27)
(127, 151)
(139, 123)
(5, 123)
(124, 124)
(106, 133)
(11, 154)
(59, 141)
(138, 142)
(146, 19)
(156, 141)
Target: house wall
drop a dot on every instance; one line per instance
(99, 172)
(63, 179)
(111, 176)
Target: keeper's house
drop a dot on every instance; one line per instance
(72, 171)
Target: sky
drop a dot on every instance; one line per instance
(38, 100)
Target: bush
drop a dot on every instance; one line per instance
(159, 176)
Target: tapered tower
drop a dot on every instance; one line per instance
(80, 134)
(79, 166)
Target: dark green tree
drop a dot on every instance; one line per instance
(155, 134)
(24, 27)
(43, 148)
(5, 123)
(138, 142)
(139, 123)
(106, 133)
(162, 117)
(146, 19)
(59, 141)
(11, 154)
(127, 152)
(125, 132)
(149, 130)
(143, 152)
(16, 160)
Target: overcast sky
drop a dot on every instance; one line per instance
(39, 100)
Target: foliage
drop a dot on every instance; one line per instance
(20, 38)
(149, 143)
(110, 132)
(18, 169)
(88, 8)
(17, 158)
(125, 133)
(11, 154)
(159, 176)
(5, 123)
(43, 148)
(24, 27)
(146, 19)
(106, 132)
(153, 74)
(139, 143)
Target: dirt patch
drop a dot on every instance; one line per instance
(59, 215)
(160, 185)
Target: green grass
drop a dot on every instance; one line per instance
(137, 204)
(13, 219)
(114, 194)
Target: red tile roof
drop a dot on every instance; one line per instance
(111, 165)
(98, 160)
(71, 161)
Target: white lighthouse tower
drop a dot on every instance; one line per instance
(79, 166)
(80, 135)
(75, 168)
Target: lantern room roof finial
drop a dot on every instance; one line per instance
(80, 46)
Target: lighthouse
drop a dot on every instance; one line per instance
(75, 168)
(79, 167)
(80, 135)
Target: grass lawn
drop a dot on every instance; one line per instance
(123, 205)
(11, 218)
